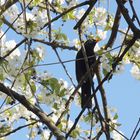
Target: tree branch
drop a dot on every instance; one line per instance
(104, 101)
(55, 44)
(6, 5)
(65, 12)
(131, 42)
(18, 128)
(128, 19)
(42, 116)
(91, 4)
(114, 29)
(17, 45)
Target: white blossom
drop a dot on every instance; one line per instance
(126, 60)
(116, 135)
(2, 95)
(63, 83)
(46, 134)
(54, 118)
(50, 1)
(9, 45)
(2, 2)
(101, 34)
(70, 124)
(80, 13)
(76, 43)
(3, 39)
(12, 12)
(33, 101)
(106, 66)
(45, 76)
(105, 63)
(100, 16)
(60, 1)
(119, 68)
(47, 98)
(41, 51)
(40, 17)
(135, 71)
(72, 3)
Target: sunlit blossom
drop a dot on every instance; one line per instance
(72, 3)
(76, 43)
(2, 2)
(63, 83)
(41, 51)
(45, 134)
(119, 69)
(9, 45)
(12, 12)
(54, 118)
(80, 13)
(3, 39)
(105, 63)
(60, 1)
(101, 34)
(135, 71)
(100, 16)
(116, 135)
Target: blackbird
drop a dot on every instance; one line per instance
(81, 71)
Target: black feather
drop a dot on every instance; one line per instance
(81, 71)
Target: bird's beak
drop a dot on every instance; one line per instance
(97, 39)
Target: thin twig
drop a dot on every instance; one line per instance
(128, 19)
(64, 67)
(135, 129)
(42, 115)
(91, 125)
(98, 135)
(134, 11)
(95, 99)
(9, 107)
(137, 132)
(55, 44)
(6, 5)
(131, 42)
(6, 22)
(49, 19)
(90, 78)
(67, 11)
(117, 131)
(17, 45)
(67, 61)
(17, 129)
(114, 29)
(79, 23)
(104, 101)
(15, 19)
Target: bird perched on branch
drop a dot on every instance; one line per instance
(81, 70)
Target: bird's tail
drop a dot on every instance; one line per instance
(85, 94)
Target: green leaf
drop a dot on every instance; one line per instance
(1, 77)
(55, 106)
(62, 92)
(69, 15)
(115, 117)
(53, 82)
(64, 37)
(9, 100)
(105, 72)
(5, 129)
(75, 133)
(33, 87)
(100, 52)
